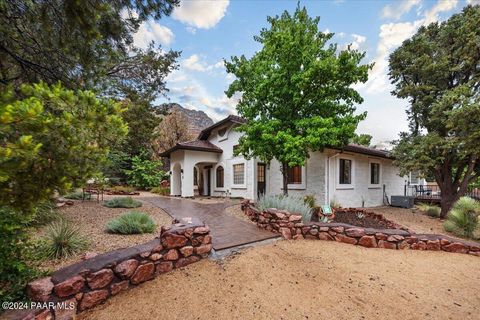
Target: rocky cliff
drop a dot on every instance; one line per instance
(197, 120)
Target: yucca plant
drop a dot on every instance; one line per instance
(463, 218)
(127, 202)
(291, 204)
(132, 222)
(62, 240)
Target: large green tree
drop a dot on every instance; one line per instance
(437, 70)
(296, 92)
(83, 44)
(51, 139)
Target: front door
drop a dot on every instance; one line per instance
(261, 181)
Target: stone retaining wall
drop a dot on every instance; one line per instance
(290, 226)
(88, 283)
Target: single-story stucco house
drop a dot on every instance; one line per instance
(353, 176)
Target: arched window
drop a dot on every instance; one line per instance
(220, 176)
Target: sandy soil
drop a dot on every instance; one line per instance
(413, 219)
(91, 217)
(309, 280)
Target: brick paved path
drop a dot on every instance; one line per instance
(227, 231)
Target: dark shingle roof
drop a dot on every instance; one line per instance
(351, 147)
(205, 133)
(197, 145)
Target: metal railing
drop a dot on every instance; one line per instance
(433, 192)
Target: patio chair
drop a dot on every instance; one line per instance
(326, 213)
(420, 190)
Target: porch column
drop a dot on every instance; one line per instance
(187, 181)
(175, 179)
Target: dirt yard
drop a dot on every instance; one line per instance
(309, 280)
(413, 219)
(91, 218)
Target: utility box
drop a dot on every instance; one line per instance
(402, 201)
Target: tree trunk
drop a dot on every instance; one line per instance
(285, 178)
(446, 202)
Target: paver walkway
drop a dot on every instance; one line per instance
(227, 231)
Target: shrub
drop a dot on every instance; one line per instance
(122, 189)
(291, 204)
(432, 211)
(164, 191)
(463, 218)
(334, 203)
(62, 240)
(145, 173)
(16, 255)
(310, 201)
(44, 213)
(127, 202)
(78, 195)
(132, 222)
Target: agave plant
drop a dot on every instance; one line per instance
(463, 218)
(291, 204)
(62, 240)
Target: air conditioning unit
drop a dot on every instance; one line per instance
(402, 201)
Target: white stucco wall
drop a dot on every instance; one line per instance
(227, 160)
(314, 174)
(361, 192)
(317, 179)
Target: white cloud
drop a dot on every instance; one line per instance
(358, 41)
(441, 6)
(201, 13)
(152, 31)
(191, 30)
(398, 9)
(194, 63)
(391, 36)
(473, 2)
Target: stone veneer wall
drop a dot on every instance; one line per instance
(92, 281)
(290, 226)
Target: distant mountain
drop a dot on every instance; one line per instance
(197, 120)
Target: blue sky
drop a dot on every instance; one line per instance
(208, 31)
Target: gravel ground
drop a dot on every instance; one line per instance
(91, 217)
(413, 219)
(308, 280)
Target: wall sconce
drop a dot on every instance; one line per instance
(181, 171)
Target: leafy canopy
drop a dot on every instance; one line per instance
(437, 71)
(83, 44)
(296, 92)
(52, 138)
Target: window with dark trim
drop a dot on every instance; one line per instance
(239, 173)
(374, 173)
(195, 177)
(295, 175)
(220, 177)
(345, 171)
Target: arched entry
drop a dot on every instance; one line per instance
(176, 180)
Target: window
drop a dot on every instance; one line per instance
(222, 132)
(374, 173)
(239, 173)
(345, 171)
(295, 175)
(195, 177)
(220, 177)
(235, 148)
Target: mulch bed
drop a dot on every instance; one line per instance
(358, 220)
